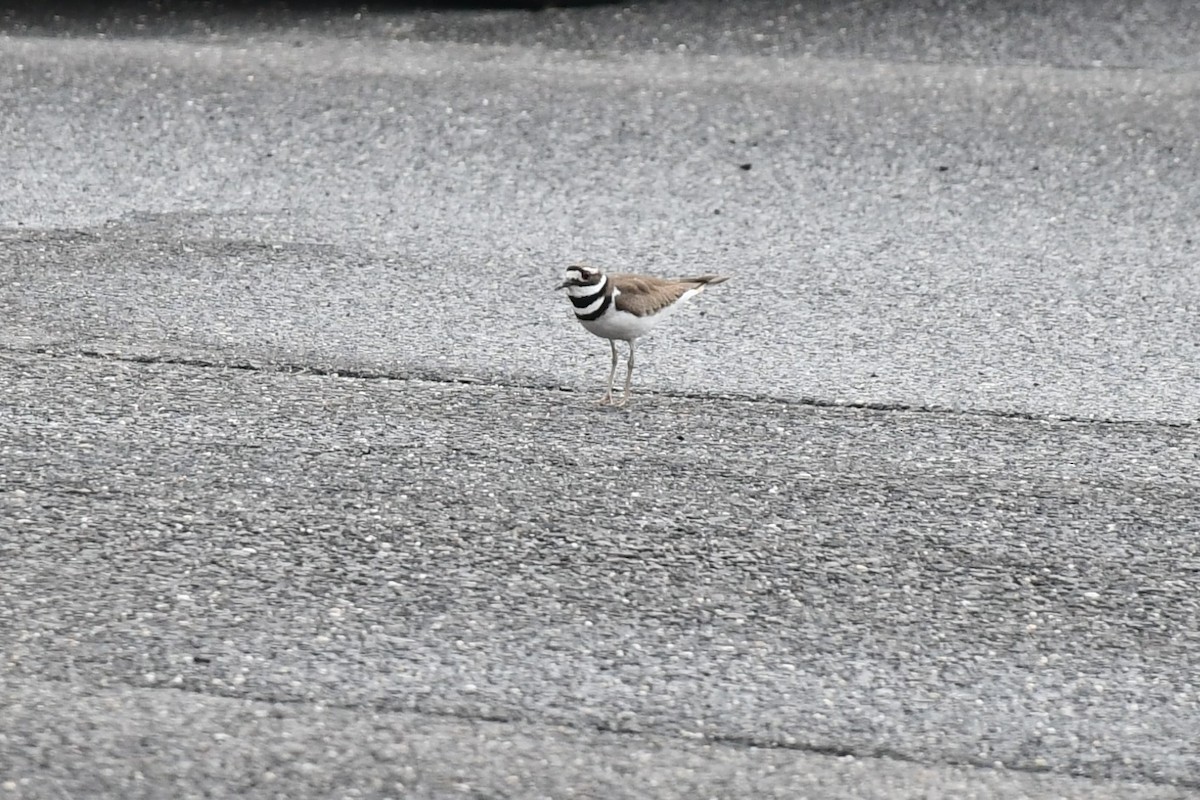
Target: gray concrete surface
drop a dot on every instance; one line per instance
(301, 493)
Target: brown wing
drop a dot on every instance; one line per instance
(642, 295)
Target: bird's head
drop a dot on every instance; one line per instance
(579, 275)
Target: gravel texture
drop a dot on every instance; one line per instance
(923, 587)
(301, 488)
(1014, 239)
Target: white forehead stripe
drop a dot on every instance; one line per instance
(589, 289)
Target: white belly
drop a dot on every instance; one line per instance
(616, 324)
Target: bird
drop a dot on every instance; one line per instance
(626, 306)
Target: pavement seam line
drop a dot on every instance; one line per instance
(728, 741)
(467, 380)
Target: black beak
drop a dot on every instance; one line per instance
(562, 285)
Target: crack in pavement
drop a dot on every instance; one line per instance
(733, 741)
(469, 380)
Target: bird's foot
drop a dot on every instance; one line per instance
(607, 400)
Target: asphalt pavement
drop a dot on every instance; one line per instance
(303, 493)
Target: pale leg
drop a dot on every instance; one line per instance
(628, 376)
(612, 371)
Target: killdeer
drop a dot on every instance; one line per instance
(624, 306)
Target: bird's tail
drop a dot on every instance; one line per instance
(705, 280)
